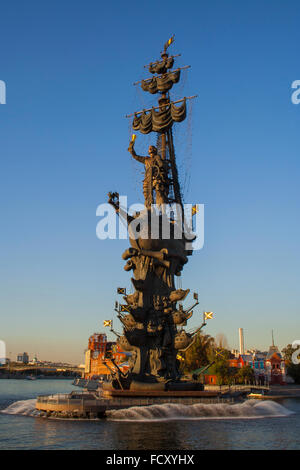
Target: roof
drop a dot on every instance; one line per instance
(272, 351)
(260, 356)
(246, 357)
(209, 371)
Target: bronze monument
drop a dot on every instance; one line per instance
(151, 317)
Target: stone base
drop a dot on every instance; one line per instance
(140, 386)
(160, 393)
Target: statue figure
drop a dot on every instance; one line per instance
(156, 176)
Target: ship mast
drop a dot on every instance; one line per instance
(160, 119)
(165, 99)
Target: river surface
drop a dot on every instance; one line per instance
(251, 425)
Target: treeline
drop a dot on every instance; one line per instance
(291, 357)
(207, 350)
(37, 373)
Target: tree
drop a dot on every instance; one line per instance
(221, 366)
(200, 353)
(293, 370)
(221, 341)
(288, 352)
(245, 374)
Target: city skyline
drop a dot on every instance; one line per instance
(248, 347)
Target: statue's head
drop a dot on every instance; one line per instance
(152, 150)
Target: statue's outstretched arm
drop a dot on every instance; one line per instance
(135, 156)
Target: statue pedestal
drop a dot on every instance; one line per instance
(160, 394)
(180, 389)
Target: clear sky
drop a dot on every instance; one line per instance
(69, 67)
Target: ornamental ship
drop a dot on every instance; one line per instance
(153, 316)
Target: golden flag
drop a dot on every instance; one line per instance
(208, 315)
(218, 353)
(195, 209)
(169, 42)
(125, 308)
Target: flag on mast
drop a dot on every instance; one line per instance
(121, 290)
(208, 315)
(168, 43)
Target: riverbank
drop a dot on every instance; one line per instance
(279, 392)
(272, 392)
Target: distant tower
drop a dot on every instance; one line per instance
(241, 336)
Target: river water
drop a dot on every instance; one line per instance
(249, 425)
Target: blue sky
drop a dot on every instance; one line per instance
(69, 67)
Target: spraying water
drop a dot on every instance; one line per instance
(172, 411)
(22, 407)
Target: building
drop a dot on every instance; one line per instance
(4, 361)
(35, 361)
(209, 377)
(235, 353)
(268, 367)
(100, 355)
(24, 358)
(275, 366)
(241, 340)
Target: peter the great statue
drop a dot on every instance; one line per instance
(156, 176)
(153, 316)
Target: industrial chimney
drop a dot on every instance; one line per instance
(241, 336)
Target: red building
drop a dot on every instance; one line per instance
(275, 367)
(98, 356)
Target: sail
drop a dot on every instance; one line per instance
(161, 84)
(161, 120)
(161, 67)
